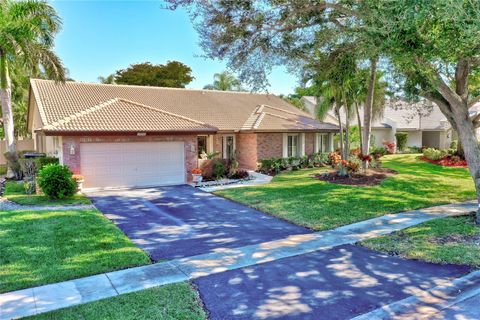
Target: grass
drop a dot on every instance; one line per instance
(16, 193)
(174, 301)
(319, 205)
(45, 247)
(449, 240)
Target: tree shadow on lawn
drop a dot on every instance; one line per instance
(46, 247)
(298, 197)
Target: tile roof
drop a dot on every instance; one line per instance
(120, 115)
(227, 111)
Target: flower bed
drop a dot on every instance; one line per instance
(371, 177)
(447, 161)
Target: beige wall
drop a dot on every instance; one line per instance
(22, 145)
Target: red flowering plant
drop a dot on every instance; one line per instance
(334, 158)
(390, 146)
(196, 171)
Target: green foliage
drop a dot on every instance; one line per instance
(56, 181)
(29, 187)
(28, 167)
(219, 169)
(173, 74)
(354, 134)
(434, 154)
(43, 161)
(224, 81)
(454, 144)
(402, 138)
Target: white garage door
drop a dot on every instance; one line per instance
(132, 164)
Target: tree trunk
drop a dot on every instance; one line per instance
(347, 132)
(367, 109)
(359, 120)
(460, 151)
(340, 124)
(7, 113)
(467, 137)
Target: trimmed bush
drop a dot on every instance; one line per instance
(402, 139)
(43, 161)
(56, 181)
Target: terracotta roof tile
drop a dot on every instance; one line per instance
(227, 111)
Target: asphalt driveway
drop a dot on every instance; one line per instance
(180, 221)
(340, 283)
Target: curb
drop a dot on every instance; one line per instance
(429, 302)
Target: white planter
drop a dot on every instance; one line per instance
(197, 178)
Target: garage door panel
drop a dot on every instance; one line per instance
(132, 164)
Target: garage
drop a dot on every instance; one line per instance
(132, 164)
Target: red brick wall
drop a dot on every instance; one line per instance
(269, 145)
(309, 143)
(246, 150)
(73, 161)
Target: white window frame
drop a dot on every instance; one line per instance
(322, 142)
(292, 137)
(300, 144)
(224, 143)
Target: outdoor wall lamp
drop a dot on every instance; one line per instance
(72, 149)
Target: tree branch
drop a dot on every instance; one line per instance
(461, 78)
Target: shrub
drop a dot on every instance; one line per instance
(240, 174)
(56, 181)
(28, 167)
(402, 138)
(320, 159)
(219, 170)
(454, 144)
(29, 186)
(334, 158)
(434, 154)
(378, 152)
(43, 161)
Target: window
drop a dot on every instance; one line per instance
(292, 145)
(201, 145)
(322, 142)
(228, 146)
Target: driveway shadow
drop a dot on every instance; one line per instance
(180, 221)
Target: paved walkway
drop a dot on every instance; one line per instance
(54, 296)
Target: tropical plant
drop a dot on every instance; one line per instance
(224, 81)
(402, 138)
(27, 31)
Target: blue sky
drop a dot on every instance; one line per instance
(99, 37)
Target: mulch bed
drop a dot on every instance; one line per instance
(371, 177)
(446, 162)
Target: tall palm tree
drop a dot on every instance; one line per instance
(27, 31)
(224, 81)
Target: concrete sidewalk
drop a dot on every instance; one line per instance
(60, 295)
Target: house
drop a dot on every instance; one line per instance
(121, 136)
(424, 123)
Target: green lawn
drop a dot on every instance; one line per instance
(16, 193)
(175, 301)
(319, 205)
(45, 247)
(448, 240)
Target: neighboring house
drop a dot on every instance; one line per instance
(118, 135)
(425, 125)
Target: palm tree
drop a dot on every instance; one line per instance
(110, 79)
(27, 30)
(224, 81)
